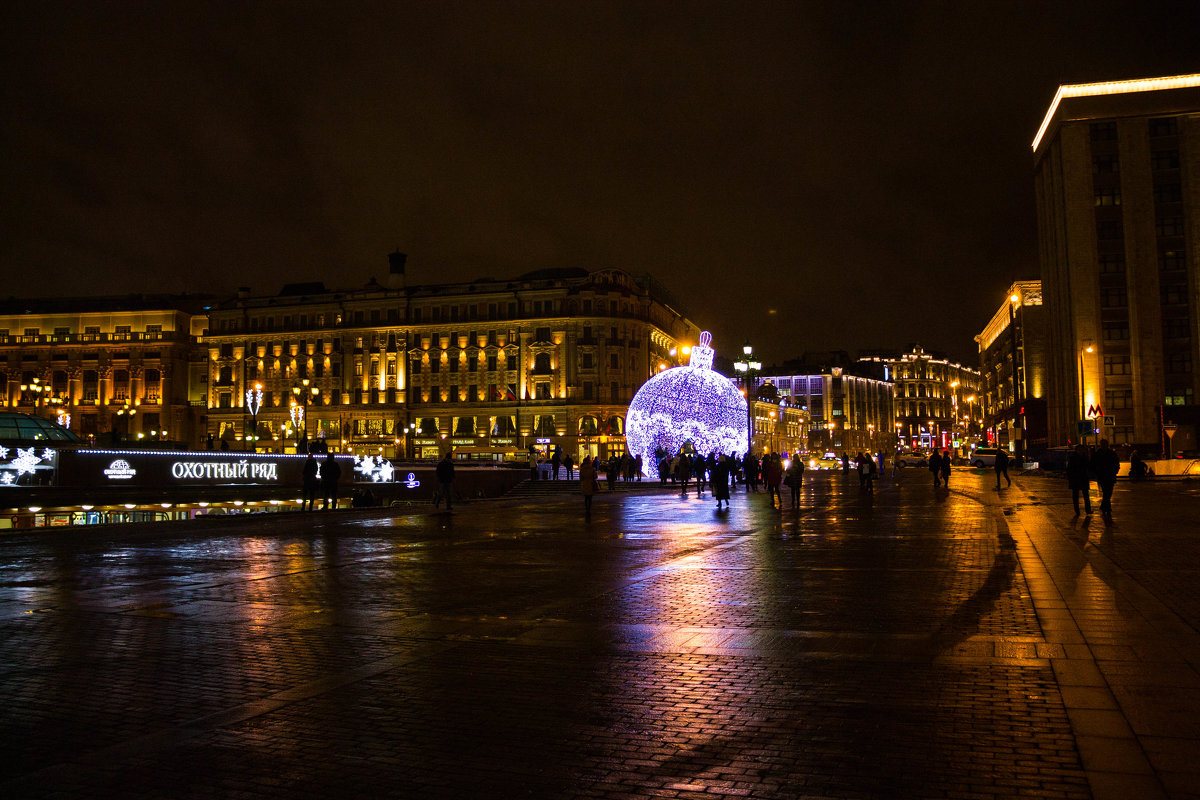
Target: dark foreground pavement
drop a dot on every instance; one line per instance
(969, 644)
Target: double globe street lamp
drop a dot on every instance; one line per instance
(750, 369)
(302, 395)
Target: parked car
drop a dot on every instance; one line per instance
(913, 459)
(985, 457)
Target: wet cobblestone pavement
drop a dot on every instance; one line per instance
(914, 643)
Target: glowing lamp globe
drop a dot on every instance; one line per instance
(689, 405)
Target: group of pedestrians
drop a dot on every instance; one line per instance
(1103, 464)
(320, 479)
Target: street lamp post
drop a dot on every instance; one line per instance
(254, 398)
(1082, 391)
(749, 368)
(304, 393)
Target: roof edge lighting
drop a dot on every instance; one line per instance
(1112, 87)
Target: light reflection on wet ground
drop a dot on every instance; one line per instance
(885, 645)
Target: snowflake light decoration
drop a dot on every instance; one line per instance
(25, 462)
(685, 405)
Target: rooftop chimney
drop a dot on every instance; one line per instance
(395, 278)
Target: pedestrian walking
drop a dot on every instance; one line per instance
(1106, 464)
(569, 463)
(845, 463)
(773, 477)
(794, 478)
(588, 485)
(935, 467)
(860, 464)
(685, 473)
(311, 484)
(555, 462)
(870, 473)
(1078, 479)
(330, 473)
(946, 462)
(720, 481)
(445, 479)
(1001, 467)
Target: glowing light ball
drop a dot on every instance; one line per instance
(684, 405)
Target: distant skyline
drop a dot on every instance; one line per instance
(808, 176)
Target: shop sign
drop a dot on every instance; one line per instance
(120, 470)
(501, 442)
(426, 442)
(463, 441)
(543, 441)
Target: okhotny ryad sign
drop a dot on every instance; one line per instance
(224, 470)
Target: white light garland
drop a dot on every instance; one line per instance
(685, 405)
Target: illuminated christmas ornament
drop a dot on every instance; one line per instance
(687, 406)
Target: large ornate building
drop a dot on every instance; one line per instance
(488, 369)
(937, 401)
(1117, 178)
(116, 369)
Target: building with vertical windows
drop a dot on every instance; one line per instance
(1012, 362)
(936, 399)
(486, 369)
(846, 409)
(1117, 171)
(113, 369)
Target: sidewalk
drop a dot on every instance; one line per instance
(913, 643)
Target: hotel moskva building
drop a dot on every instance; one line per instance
(486, 369)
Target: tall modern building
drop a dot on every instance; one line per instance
(1117, 169)
(487, 369)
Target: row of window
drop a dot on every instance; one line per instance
(446, 312)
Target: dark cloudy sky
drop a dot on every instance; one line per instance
(861, 169)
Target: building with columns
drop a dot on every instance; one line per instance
(937, 401)
(116, 369)
(487, 369)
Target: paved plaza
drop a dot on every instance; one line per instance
(914, 643)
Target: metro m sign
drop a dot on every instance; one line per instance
(1094, 412)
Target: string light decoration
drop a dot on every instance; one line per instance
(687, 405)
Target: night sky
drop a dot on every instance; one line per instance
(805, 175)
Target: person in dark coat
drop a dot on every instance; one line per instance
(946, 462)
(1106, 464)
(794, 478)
(720, 481)
(569, 463)
(1001, 467)
(935, 467)
(555, 461)
(330, 473)
(773, 478)
(311, 484)
(1078, 479)
(588, 485)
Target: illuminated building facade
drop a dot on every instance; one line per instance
(1117, 170)
(936, 400)
(840, 410)
(114, 369)
(1012, 361)
(487, 369)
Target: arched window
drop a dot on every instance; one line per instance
(464, 426)
(544, 425)
(428, 426)
(588, 426)
(58, 383)
(504, 426)
(541, 363)
(615, 426)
